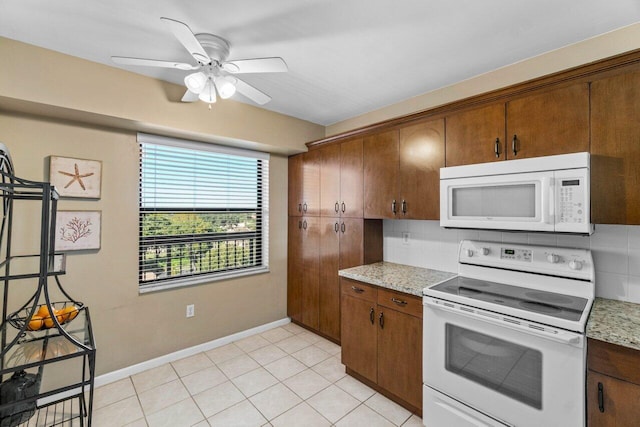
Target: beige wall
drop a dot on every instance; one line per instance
(606, 45)
(131, 328)
(54, 104)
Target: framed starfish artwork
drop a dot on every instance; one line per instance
(76, 177)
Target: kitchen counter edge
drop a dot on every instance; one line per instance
(615, 322)
(398, 277)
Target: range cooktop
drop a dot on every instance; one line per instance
(548, 303)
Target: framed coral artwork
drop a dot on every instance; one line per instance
(76, 177)
(78, 230)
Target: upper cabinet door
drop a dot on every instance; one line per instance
(295, 185)
(615, 150)
(351, 179)
(549, 123)
(421, 157)
(330, 180)
(476, 136)
(311, 183)
(381, 182)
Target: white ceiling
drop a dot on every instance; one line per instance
(345, 57)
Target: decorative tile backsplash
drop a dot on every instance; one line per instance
(615, 249)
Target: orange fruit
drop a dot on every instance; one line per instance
(43, 311)
(35, 323)
(67, 313)
(48, 322)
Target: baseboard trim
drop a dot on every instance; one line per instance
(159, 361)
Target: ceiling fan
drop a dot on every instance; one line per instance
(213, 73)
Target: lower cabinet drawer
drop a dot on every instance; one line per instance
(358, 289)
(401, 302)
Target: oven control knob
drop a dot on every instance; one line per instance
(485, 251)
(553, 258)
(575, 265)
(468, 253)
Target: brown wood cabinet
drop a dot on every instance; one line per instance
(476, 136)
(401, 172)
(613, 385)
(341, 180)
(318, 247)
(382, 339)
(341, 246)
(549, 122)
(303, 269)
(615, 149)
(304, 184)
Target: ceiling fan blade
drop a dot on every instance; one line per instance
(252, 93)
(153, 63)
(189, 96)
(256, 65)
(185, 36)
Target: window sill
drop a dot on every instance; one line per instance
(192, 281)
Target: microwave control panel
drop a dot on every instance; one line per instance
(571, 206)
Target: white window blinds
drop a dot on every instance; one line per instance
(203, 212)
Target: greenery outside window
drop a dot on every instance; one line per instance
(203, 212)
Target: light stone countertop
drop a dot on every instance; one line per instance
(615, 322)
(398, 277)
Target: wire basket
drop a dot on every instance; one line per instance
(64, 311)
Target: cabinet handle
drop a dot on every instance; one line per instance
(514, 145)
(335, 227)
(381, 320)
(372, 316)
(357, 290)
(299, 207)
(404, 207)
(393, 206)
(344, 207)
(304, 207)
(299, 224)
(398, 301)
(343, 228)
(304, 224)
(497, 148)
(337, 207)
(601, 397)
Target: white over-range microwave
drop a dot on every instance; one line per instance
(538, 194)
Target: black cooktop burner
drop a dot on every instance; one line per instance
(548, 303)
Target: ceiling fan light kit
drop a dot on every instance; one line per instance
(211, 52)
(208, 94)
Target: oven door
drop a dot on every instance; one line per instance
(502, 367)
(520, 201)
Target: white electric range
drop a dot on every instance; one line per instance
(504, 341)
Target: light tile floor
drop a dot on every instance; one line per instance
(286, 376)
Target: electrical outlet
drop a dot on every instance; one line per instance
(191, 310)
(405, 238)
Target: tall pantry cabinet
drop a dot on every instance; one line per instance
(327, 232)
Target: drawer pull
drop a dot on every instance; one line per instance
(371, 316)
(600, 397)
(357, 289)
(337, 207)
(399, 301)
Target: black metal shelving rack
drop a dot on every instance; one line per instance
(65, 344)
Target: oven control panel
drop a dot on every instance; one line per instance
(557, 261)
(515, 254)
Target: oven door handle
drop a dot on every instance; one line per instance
(564, 337)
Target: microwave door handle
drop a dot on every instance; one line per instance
(547, 195)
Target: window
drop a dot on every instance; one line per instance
(203, 212)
